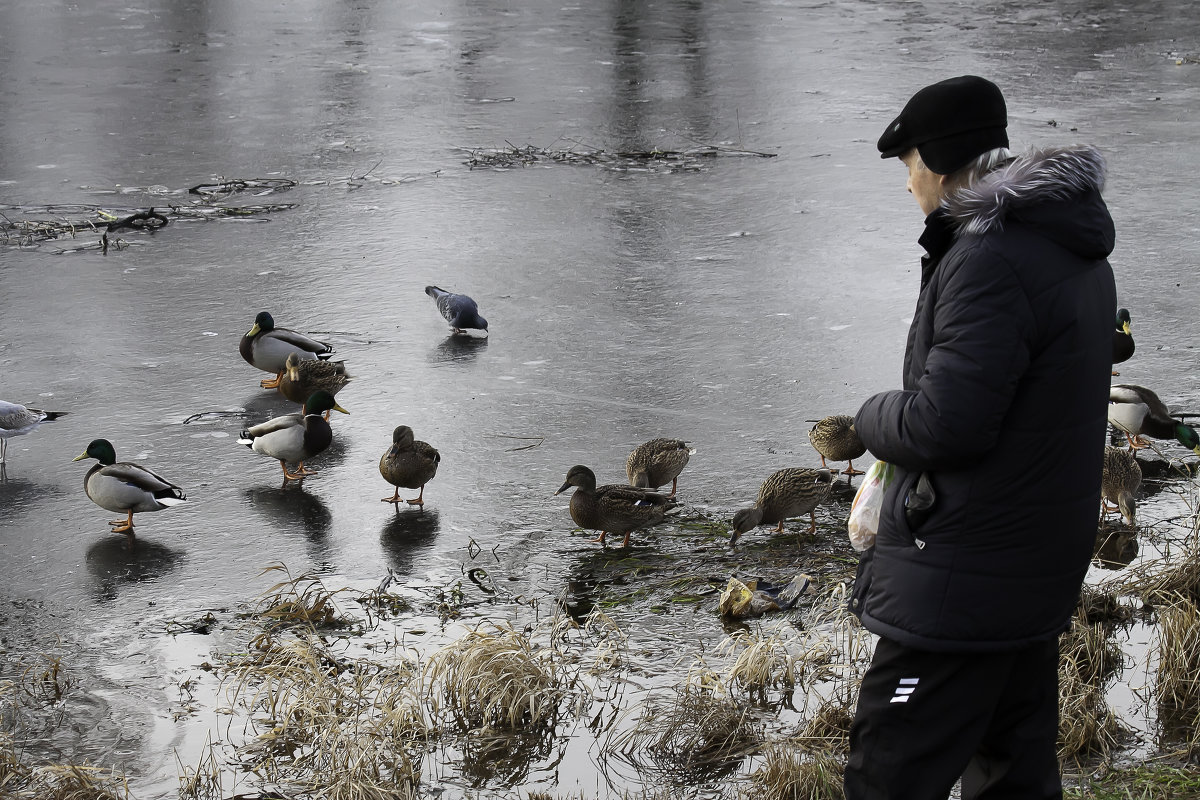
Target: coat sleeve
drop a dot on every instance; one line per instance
(982, 327)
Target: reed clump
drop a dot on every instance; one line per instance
(1097, 605)
(298, 600)
(1088, 657)
(1177, 678)
(346, 728)
(1165, 580)
(700, 730)
(68, 782)
(792, 772)
(764, 659)
(497, 677)
(835, 648)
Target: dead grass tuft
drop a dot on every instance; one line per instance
(790, 773)
(299, 600)
(346, 729)
(1097, 605)
(1177, 680)
(1164, 581)
(203, 781)
(56, 781)
(498, 678)
(1087, 658)
(701, 730)
(764, 659)
(827, 729)
(836, 649)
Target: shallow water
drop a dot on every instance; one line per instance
(727, 303)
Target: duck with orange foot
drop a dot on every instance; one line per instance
(613, 508)
(123, 486)
(834, 438)
(1136, 411)
(295, 437)
(408, 464)
(266, 347)
(790, 492)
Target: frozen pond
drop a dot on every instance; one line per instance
(725, 298)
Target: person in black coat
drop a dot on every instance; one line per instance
(997, 438)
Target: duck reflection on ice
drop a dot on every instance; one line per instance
(406, 536)
(1116, 546)
(112, 561)
(459, 347)
(291, 509)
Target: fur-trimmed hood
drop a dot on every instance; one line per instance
(1054, 189)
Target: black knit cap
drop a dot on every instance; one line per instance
(950, 123)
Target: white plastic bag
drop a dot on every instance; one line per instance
(864, 513)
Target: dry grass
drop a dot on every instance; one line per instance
(19, 781)
(1177, 679)
(701, 730)
(826, 659)
(299, 600)
(47, 681)
(836, 648)
(72, 782)
(827, 729)
(496, 677)
(35, 699)
(1087, 725)
(1163, 581)
(764, 659)
(1097, 605)
(347, 729)
(790, 773)
(203, 781)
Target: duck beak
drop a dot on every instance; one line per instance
(336, 407)
(1125, 326)
(254, 329)
(84, 455)
(563, 488)
(1196, 449)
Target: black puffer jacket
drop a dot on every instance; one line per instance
(1003, 409)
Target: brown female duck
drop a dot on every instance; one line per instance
(657, 463)
(790, 492)
(834, 438)
(613, 508)
(302, 377)
(409, 463)
(1121, 480)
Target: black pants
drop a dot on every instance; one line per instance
(924, 719)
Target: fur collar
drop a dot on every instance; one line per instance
(1039, 175)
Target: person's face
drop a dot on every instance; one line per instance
(924, 184)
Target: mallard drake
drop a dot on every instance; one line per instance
(613, 508)
(1122, 338)
(1119, 484)
(458, 309)
(295, 437)
(409, 463)
(1136, 411)
(790, 492)
(834, 438)
(657, 462)
(266, 347)
(301, 377)
(18, 420)
(123, 486)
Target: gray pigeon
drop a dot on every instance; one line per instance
(458, 309)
